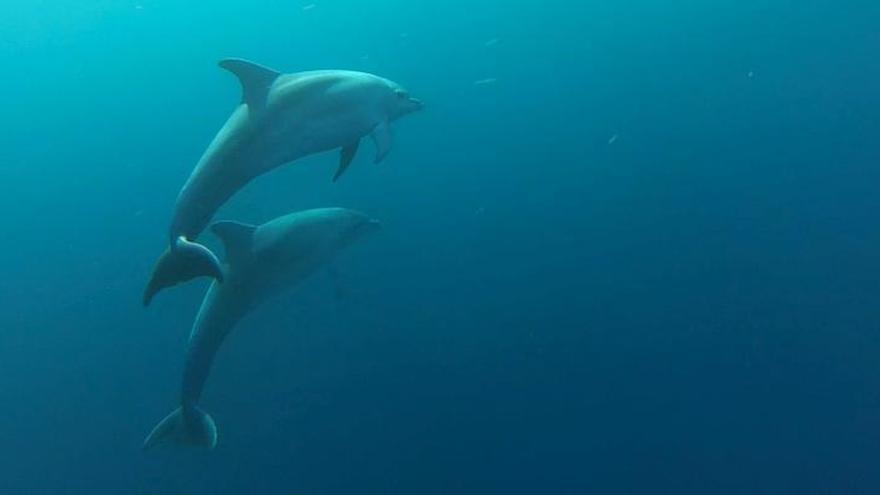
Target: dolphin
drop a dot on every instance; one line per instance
(261, 262)
(281, 118)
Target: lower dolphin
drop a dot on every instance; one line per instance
(261, 262)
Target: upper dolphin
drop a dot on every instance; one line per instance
(261, 262)
(281, 118)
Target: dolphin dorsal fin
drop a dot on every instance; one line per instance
(255, 80)
(237, 238)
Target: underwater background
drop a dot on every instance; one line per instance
(628, 247)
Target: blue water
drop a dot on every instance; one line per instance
(629, 247)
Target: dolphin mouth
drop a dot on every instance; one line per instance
(417, 103)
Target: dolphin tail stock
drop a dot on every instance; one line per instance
(183, 261)
(186, 425)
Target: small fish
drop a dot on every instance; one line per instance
(484, 82)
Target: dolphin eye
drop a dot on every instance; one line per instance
(402, 94)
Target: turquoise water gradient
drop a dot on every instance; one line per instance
(628, 247)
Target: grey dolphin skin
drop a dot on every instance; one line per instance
(281, 118)
(261, 262)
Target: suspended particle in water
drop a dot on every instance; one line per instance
(484, 82)
(613, 139)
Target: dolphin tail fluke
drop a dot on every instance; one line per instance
(185, 260)
(189, 426)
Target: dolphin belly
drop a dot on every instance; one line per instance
(293, 136)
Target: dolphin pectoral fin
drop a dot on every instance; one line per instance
(237, 238)
(382, 137)
(184, 426)
(184, 261)
(255, 79)
(345, 158)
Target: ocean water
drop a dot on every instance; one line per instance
(628, 247)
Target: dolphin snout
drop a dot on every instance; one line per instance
(417, 103)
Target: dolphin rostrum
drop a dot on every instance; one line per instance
(281, 118)
(261, 262)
